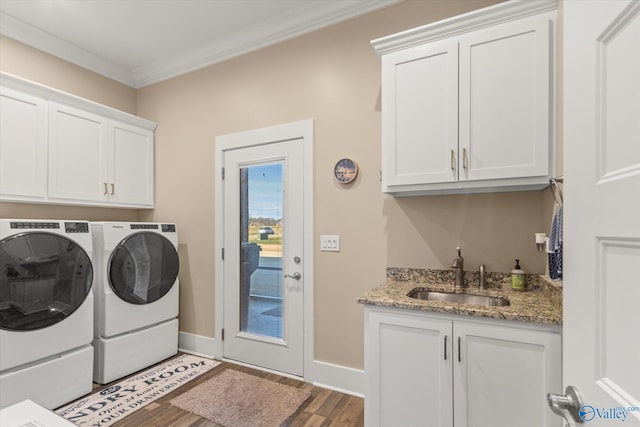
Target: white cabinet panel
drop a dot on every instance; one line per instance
(504, 101)
(421, 115)
(408, 374)
(132, 175)
(503, 375)
(77, 154)
(23, 146)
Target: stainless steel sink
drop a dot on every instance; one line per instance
(459, 298)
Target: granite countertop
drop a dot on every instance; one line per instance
(540, 303)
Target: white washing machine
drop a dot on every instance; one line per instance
(46, 311)
(135, 297)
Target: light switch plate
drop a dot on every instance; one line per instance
(330, 243)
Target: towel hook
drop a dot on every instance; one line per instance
(555, 189)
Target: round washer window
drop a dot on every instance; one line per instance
(143, 268)
(44, 278)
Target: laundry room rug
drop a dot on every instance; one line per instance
(103, 408)
(236, 399)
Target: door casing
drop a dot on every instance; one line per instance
(302, 130)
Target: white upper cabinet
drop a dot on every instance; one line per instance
(131, 159)
(23, 146)
(467, 103)
(420, 106)
(504, 105)
(77, 155)
(60, 149)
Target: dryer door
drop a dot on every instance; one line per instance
(143, 268)
(44, 278)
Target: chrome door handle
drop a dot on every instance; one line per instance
(295, 275)
(567, 405)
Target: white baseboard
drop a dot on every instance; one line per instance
(339, 378)
(326, 375)
(199, 345)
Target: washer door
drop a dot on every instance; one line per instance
(143, 268)
(44, 277)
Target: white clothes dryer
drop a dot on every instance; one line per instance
(135, 297)
(46, 311)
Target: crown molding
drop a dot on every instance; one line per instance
(296, 22)
(41, 40)
(9, 81)
(474, 20)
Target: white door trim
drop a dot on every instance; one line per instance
(302, 130)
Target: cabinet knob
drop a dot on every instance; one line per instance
(113, 189)
(453, 160)
(105, 188)
(465, 162)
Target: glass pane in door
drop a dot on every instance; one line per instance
(261, 232)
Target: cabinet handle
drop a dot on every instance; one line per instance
(453, 160)
(113, 189)
(464, 158)
(459, 356)
(105, 188)
(445, 347)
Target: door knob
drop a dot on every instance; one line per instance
(295, 275)
(567, 405)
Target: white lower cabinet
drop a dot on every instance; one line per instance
(428, 369)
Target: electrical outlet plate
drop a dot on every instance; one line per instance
(330, 243)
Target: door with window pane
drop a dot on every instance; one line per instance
(263, 283)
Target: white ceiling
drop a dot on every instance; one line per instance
(140, 42)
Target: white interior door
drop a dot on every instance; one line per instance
(263, 266)
(601, 344)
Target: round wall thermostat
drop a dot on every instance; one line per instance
(345, 171)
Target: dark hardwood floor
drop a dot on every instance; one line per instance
(324, 408)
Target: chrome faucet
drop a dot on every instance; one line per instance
(482, 273)
(458, 264)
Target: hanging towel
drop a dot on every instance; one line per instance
(555, 246)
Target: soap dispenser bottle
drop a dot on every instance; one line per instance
(517, 278)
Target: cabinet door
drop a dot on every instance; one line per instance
(408, 371)
(23, 146)
(505, 101)
(420, 115)
(131, 180)
(77, 155)
(502, 375)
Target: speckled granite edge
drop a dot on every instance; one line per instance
(540, 303)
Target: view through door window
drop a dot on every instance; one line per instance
(261, 232)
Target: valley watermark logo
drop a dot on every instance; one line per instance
(619, 413)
